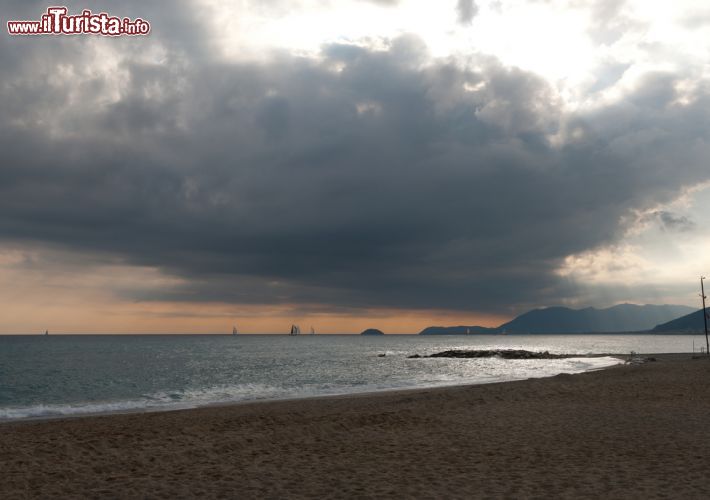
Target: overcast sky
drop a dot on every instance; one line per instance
(349, 164)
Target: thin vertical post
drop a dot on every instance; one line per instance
(705, 317)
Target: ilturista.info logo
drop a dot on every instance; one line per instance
(58, 21)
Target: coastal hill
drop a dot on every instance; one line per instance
(690, 323)
(619, 318)
(372, 331)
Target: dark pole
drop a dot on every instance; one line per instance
(705, 318)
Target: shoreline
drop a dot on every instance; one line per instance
(218, 404)
(631, 431)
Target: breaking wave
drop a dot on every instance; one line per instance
(486, 371)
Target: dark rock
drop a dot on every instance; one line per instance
(372, 331)
(502, 353)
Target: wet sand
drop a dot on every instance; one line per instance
(638, 431)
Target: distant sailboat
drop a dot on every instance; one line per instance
(313, 332)
(468, 331)
(295, 330)
(46, 332)
(234, 330)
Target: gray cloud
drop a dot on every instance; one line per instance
(674, 222)
(382, 2)
(696, 19)
(608, 20)
(366, 178)
(466, 11)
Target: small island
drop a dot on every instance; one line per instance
(372, 331)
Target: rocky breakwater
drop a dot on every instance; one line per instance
(501, 353)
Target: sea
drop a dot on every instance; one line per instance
(71, 375)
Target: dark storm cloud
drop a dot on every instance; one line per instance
(365, 178)
(466, 10)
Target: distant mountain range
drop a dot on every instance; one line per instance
(690, 323)
(620, 318)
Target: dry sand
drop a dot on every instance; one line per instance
(626, 432)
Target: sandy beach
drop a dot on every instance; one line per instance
(627, 432)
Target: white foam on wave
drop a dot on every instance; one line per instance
(65, 410)
(168, 400)
(223, 394)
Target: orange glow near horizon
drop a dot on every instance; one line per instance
(166, 318)
(44, 289)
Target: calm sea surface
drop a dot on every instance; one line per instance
(79, 374)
